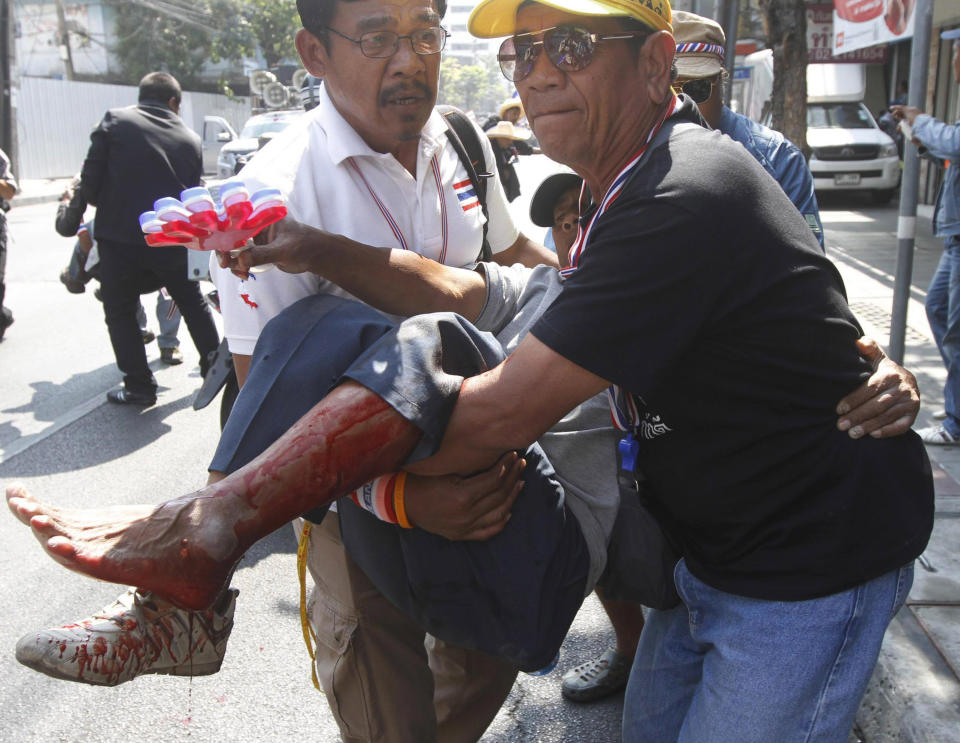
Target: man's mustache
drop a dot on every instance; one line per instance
(405, 89)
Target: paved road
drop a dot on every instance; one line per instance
(58, 436)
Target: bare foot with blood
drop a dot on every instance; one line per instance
(185, 550)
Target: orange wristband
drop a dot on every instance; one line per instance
(398, 504)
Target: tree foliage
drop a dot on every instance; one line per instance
(148, 40)
(180, 38)
(274, 24)
(477, 87)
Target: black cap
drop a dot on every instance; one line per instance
(545, 198)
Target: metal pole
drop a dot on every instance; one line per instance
(63, 39)
(909, 187)
(7, 119)
(731, 13)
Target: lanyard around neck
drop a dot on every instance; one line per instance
(391, 220)
(623, 408)
(583, 235)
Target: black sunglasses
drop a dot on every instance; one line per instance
(699, 90)
(569, 48)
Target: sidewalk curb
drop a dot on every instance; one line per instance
(907, 700)
(35, 199)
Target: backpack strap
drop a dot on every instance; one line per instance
(465, 140)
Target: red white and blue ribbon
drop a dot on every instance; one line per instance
(699, 47)
(392, 222)
(583, 235)
(623, 408)
(443, 207)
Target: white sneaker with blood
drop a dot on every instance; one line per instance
(133, 636)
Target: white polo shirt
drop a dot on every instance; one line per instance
(333, 180)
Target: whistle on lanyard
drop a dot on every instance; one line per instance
(628, 450)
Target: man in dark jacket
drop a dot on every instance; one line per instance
(137, 155)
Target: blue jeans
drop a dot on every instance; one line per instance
(943, 314)
(168, 319)
(722, 668)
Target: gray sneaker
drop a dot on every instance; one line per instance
(597, 678)
(131, 637)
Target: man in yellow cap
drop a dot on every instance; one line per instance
(700, 75)
(698, 291)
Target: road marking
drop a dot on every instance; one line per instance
(22, 443)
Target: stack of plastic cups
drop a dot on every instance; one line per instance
(203, 211)
(268, 208)
(236, 203)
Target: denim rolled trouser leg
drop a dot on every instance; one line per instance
(943, 314)
(722, 668)
(78, 260)
(168, 320)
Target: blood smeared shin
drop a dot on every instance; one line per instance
(347, 439)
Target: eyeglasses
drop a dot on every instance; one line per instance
(383, 44)
(569, 48)
(699, 90)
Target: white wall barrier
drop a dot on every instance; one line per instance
(55, 118)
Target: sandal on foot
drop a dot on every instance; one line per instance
(597, 678)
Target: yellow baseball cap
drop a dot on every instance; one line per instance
(493, 18)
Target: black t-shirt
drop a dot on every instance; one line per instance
(703, 292)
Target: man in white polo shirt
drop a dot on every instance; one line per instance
(373, 162)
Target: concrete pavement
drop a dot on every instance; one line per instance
(39, 190)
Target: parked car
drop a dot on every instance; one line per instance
(850, 151)
(216, 133)
(251, 138)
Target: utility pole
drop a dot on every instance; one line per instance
(63, 41)
(910, 182)
(729, 18)
(8, 120)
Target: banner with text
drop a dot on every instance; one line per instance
(820, 40)
(858, 24)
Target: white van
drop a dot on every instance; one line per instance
(848, 150)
